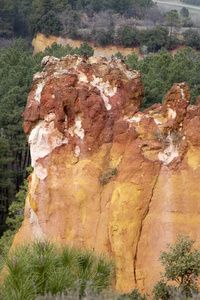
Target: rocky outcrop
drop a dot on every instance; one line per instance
(106, 175)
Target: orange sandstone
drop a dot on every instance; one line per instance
(107, 176)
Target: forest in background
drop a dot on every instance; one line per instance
(104, 22)
(193, 2)
(119, 22)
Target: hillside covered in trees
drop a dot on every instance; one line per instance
(27, 17)
(126, 23)
(193, 2)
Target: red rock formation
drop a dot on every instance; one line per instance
(107, 176)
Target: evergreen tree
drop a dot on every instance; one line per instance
(172, 19)
(127, 35)
(17, 66)
(192, 38)
(5, 183)
(43, 18)
(182, 267)
(160, 72)
(22, 13)
(72, 3)
(79, 5)
(184, 12)
(6, 18)
(154, 38)
(15, 217)
(61, 5)
(96, 5)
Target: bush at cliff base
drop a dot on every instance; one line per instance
(182, 267)
(41, 267)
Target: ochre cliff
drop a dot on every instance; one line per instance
(41, 42)
(107, 176)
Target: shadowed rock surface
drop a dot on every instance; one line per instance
(107, 176)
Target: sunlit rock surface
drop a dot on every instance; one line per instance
(106, 175)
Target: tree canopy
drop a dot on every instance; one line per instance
(159, 72)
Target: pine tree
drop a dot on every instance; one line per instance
(6, 18)
(15, 217)
(172, 19)
(79, 5)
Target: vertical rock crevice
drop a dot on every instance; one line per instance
(142, 221)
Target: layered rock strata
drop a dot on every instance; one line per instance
(106, 175)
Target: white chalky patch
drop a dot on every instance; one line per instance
(39, 91)
(38, 75)
(63, 72)
(50, 117)
(136, 118)
(157, 122)
(78, 60)
(131, 74)
(92, 60)
(77, 151)
(43, 139)
(82, 77)
(33, 219)
(40, 171)
(76, 128)
(182, 94)
(49, 59)
(171, 113)
(169, 153)
(105, 90)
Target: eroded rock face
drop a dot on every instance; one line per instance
(107, 176)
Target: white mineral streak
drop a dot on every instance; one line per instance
(39, 91)
(48, 59)
(77, 151)
(136, 118)
(82, 77)
(40, 171)
(105, 90)
(169, 153)
(131, 74)
(171, 113)
(76, 128)
(38, 232)
(92, 60)
(38, 75)
(50, 117)
(157, 122)
(60, 72)
(43, 139)
(182, 92)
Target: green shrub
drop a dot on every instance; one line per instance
(106, 176)
(40, 268)
(182, 266)
(134, 295)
